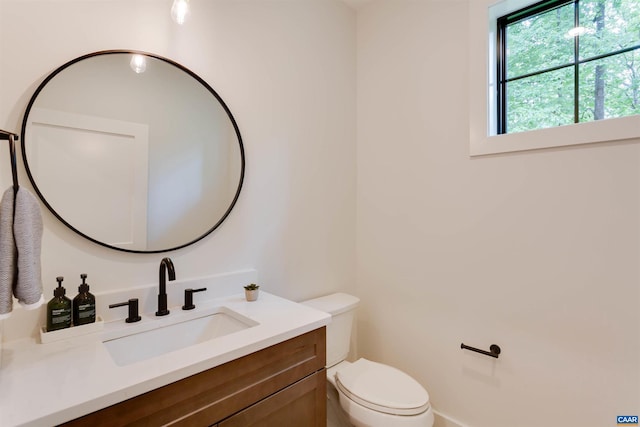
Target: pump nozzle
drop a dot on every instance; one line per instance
(60, 290)
(84, 287)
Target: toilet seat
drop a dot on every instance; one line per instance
(382, 388)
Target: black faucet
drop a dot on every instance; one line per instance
(166, 266)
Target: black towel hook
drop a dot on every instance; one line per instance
(12, 138)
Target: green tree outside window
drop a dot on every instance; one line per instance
(564, 62)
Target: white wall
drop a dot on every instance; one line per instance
(535, 251)
(285, 68)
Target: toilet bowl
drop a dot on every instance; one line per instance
(371, 394)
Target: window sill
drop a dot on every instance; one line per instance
(583, 133)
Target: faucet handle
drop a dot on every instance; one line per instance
(133, 310)
(188, 298)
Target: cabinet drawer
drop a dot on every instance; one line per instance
(215, 394)
(302, 404)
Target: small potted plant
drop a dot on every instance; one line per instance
(251, 292)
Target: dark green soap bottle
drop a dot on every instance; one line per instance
(84, 305)
(59, 309)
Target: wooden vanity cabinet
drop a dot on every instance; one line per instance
(282, 385)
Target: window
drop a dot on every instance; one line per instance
(562, 62)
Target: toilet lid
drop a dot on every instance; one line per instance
(382, 388)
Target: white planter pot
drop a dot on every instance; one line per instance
(251, 295)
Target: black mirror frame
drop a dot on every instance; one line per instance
(175, 64)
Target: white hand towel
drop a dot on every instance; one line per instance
(8, 262)
(27, 232)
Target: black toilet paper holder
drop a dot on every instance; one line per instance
(494, 350)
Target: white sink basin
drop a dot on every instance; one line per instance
(147, 344)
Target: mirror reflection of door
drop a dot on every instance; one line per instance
(82, 145)
(100, 162)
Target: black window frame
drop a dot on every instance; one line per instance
(501, 55)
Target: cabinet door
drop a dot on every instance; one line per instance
(303, 404)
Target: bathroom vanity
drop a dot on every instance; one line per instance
(270, 372)
(284, 384)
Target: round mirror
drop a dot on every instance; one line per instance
(133, 151)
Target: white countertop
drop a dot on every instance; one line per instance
(48, 384)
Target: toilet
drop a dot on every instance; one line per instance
(371, 394)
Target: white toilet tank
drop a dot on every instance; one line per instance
(341, 307)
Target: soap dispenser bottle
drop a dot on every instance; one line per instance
(84, 305)
(59, 309)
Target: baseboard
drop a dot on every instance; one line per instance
(442, 420)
